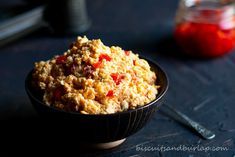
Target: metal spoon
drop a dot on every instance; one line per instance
(205, 133)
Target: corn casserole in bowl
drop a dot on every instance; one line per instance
(106, 93)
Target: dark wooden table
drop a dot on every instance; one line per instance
(202, 89)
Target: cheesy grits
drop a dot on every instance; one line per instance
(91, 78)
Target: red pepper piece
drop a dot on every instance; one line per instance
(114, 77)
(58, 93)
(134, 62)
(211, 13)
(183, 33)
(110, 93)
(104, 56)
(204, 40)
(122, 77)
(101, 57)
(127, 53)
(97, 65)
(117, 78)
(61, 59)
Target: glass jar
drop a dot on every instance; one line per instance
(205, 28)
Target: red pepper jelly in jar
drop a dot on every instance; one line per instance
(205, 28)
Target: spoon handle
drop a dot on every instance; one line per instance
(205, 133)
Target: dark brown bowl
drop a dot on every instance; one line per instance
(100, 129)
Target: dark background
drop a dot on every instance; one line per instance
(202, 89)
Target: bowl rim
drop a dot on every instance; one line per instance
(158, 97)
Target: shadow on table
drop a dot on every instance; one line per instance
(169, 48)
(33, 134)
(166, 46)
